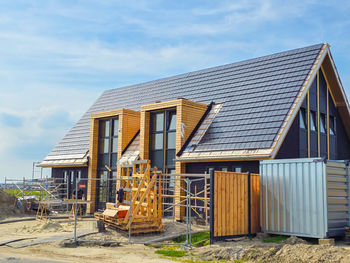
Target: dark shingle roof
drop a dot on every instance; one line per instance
(257, 96)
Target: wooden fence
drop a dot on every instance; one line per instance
(235, 209)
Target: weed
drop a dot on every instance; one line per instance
(171, 253)
(198, 239)
(275, 239)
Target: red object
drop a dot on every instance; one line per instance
(82, 186)
(122, 213)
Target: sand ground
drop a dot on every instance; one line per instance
(54, 252)
(243, 249)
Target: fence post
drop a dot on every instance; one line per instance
(212, 197)
(249, 205)
(206, 201)
(76, 210)
(188, 200)
(190, 212)
(130, 209)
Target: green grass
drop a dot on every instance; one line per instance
(171, 253)
(198, 239)
(275, 239)
(16, 192)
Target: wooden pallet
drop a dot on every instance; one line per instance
(141, 201)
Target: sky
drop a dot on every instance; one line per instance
(57, 57)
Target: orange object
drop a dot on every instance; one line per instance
(122, 213)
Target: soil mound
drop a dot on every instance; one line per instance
(294, 250)
(8, 205)
(42, 227)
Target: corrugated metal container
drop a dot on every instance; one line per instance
(304, 197)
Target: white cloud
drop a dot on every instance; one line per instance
(57, 57)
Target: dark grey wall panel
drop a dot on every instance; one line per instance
(290, 146)
(244, 166)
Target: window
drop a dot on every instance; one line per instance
(237, 169)
(107, 160)
(322, 123)
(65, 177)
(302, 119)
(163, 139)
(331, 125)
(313, 121)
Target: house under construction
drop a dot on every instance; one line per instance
(286, 105)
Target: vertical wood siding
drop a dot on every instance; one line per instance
(231, 215)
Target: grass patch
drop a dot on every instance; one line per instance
(171, 253)
(16, 192)
(275, 239)
(198, 239)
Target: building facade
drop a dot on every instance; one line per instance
(286, 105)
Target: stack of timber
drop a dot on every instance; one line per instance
(140, 210)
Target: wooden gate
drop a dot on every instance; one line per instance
(235, 204)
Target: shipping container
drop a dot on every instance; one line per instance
(304, 197)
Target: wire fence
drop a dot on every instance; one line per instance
(149, 210)
(134, 209)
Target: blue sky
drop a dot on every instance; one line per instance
(58, 56)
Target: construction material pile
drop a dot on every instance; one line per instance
(8, 205)
(139, 205)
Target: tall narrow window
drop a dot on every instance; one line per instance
(107, 160)
(162, 149)
(163, 139)
(157, 140)
(302, 118)
(322, 123)
(331, 125)
(313, 126)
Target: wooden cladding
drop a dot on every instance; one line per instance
(188, 113)
(236, 205)
(129, 124)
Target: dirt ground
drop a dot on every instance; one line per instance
(54, 252)
(292, 250)
(238, 250)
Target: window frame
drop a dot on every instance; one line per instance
(302, 118)
(111, 156)
(167, 113)
(313, 120)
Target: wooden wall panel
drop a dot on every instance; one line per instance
(92, 171)
(231, 217)
(188, 113)
(255, 203)
(129, 124)
(144, 135)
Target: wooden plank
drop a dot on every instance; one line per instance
(240, 206)
(246, 218)
(235, 204)
(231, 204)
(226, 205)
